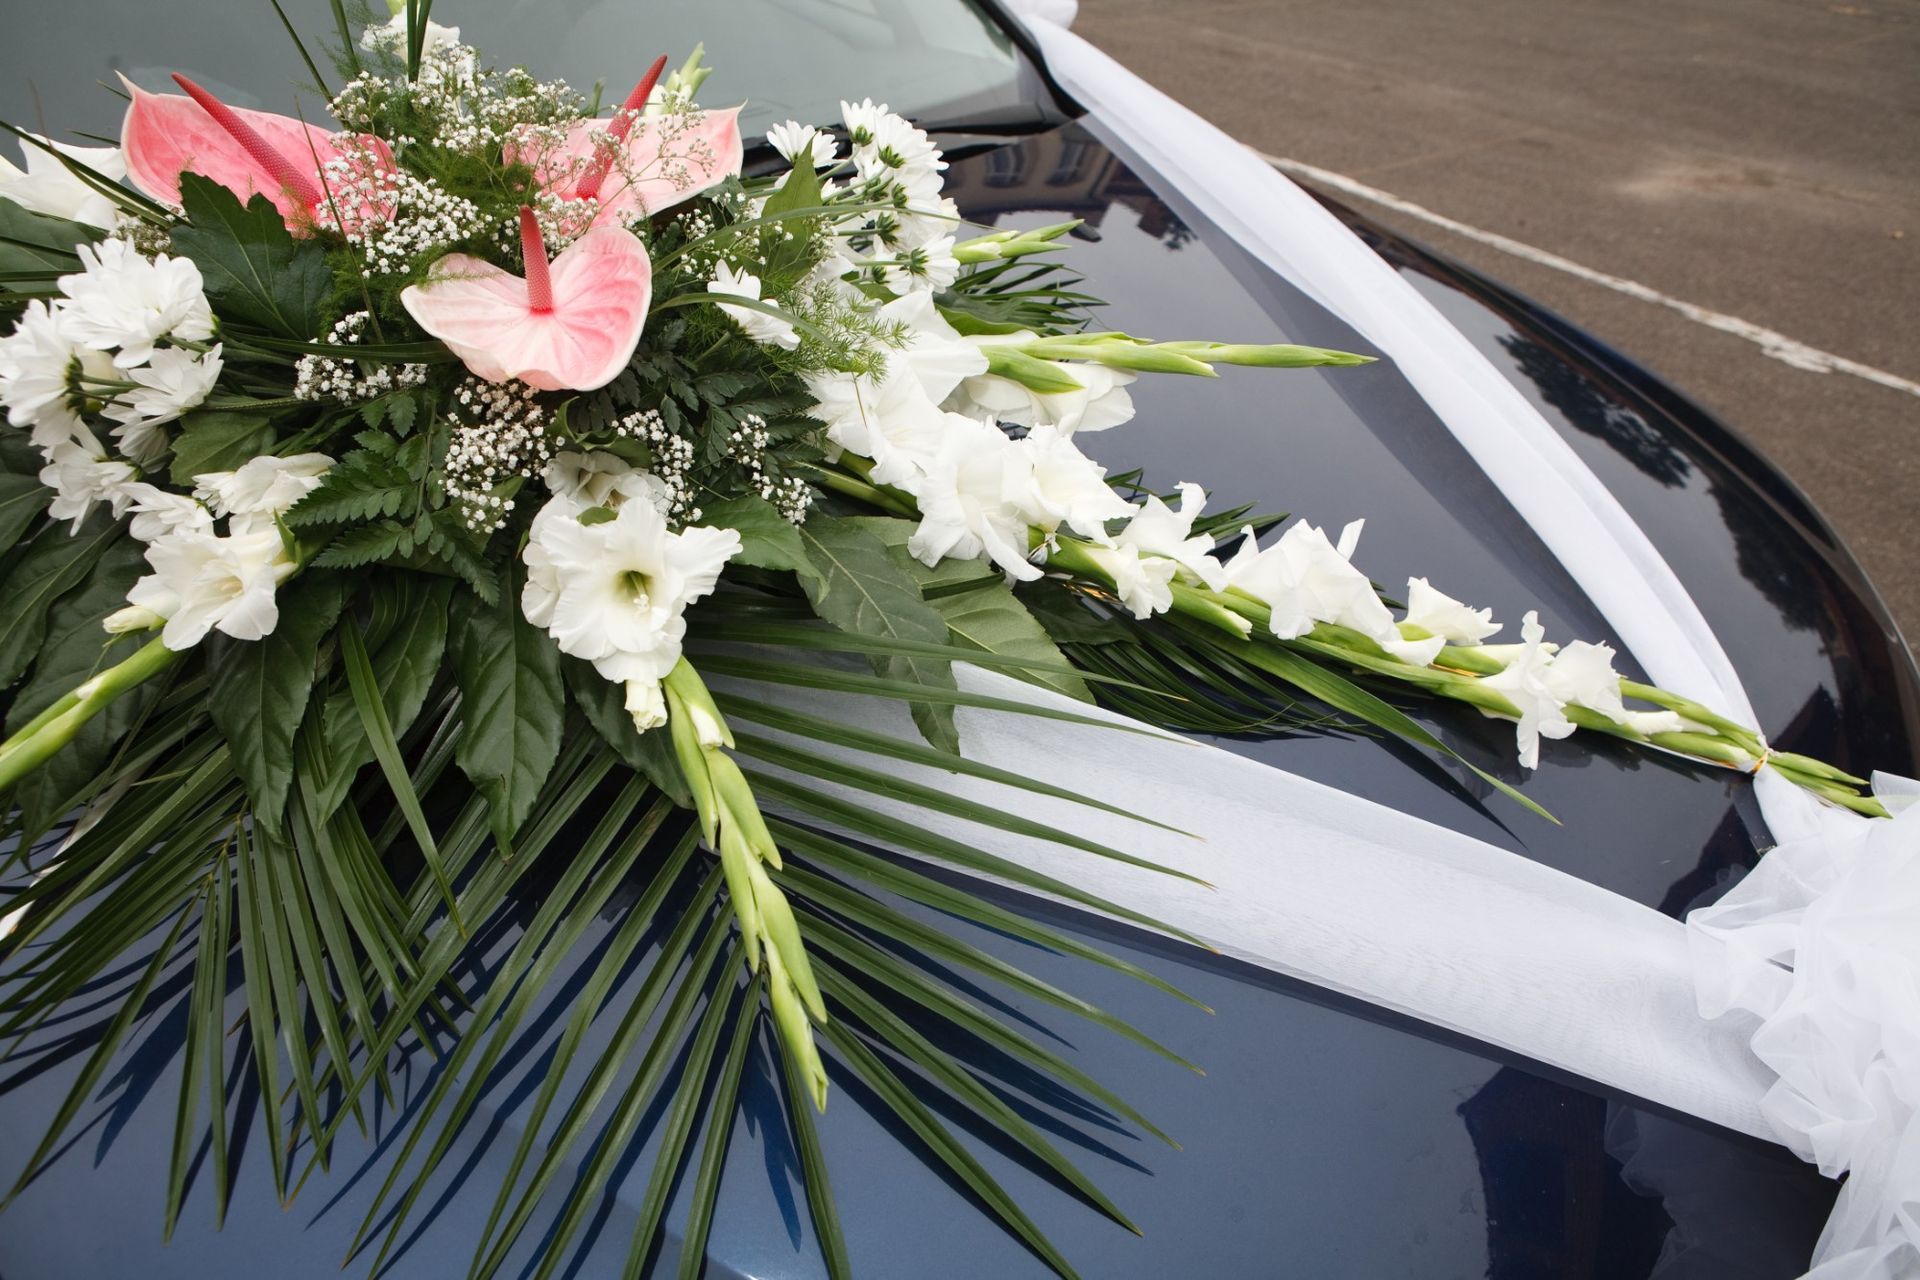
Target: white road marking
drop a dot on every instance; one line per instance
(1771, 342)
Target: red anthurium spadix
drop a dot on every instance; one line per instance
(651, 163)
(247, 152)
(569, 325)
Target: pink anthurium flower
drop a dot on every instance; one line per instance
(659, 166)
(247, 152)
(571, 325)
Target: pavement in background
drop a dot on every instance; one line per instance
(1759, 158)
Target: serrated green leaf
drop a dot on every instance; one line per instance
(860, 587)
(362, 545)
(512, 705)
(255, 272)
(218, 440)
(257, 690)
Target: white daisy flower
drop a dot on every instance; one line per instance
(794, 140)
(172, 381)
(80, 474)
(126, 303)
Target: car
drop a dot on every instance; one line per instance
(1327, 1137)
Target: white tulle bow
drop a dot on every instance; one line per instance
(1821, 944)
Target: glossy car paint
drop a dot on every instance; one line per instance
(1327, 1138)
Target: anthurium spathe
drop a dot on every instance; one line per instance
(569, 325)
(636, 164)
(167, 134)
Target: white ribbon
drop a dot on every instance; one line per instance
(1815, 957)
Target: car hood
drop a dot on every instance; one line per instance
(1328, 1138)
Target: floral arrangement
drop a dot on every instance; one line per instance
(388, 493)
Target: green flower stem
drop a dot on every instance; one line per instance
(731, 822)
(53, 728)
(854, 487)
(1458, 674)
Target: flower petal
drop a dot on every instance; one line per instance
(602, 286)
(167, 134)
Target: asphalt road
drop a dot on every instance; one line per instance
(1756, 158)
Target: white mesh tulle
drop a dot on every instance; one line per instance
(1821, 945)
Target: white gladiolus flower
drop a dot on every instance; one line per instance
(157, 512)
(890, 422)
(769, 330)
(47, 186)
(134, 617)
(1305, 579)
(895, 420)
(646, 702)
(1101, 402)
(1143, 582)
(794, 140)
(80, 474)
(125, 303)
(1583, 673)
(201, 582)
(1435, 611)
(600, 478)
(1158, 530)
(968, 502)
(1066, 487)
(264, 487)
(616, 592)
(172, 381)
(1527, 686)
(936, 356)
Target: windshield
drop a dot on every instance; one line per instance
(941, 61)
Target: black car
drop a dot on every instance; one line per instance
(1327, 1138)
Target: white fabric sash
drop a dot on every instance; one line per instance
(1814, 959)
(1318, 884)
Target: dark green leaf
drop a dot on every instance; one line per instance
(943, 1145)
(22, 499)
(813, 1168)
(218, 440)
(713, 1154)
(604, 704)
(256, 273)
(406, 662)
(33, 242)
(860, 587)
(258, 690)
(52, 564)
(767, 539)
(512, 706)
